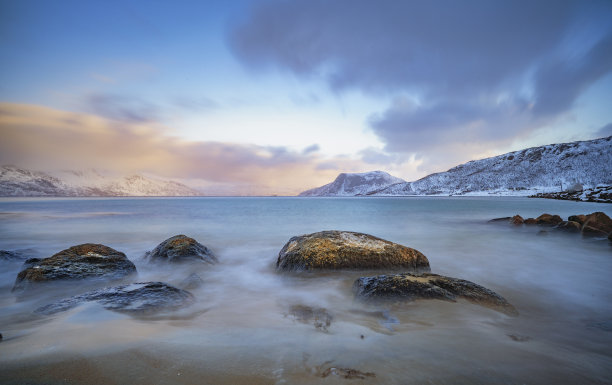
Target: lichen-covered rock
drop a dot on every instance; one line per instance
(597, 224)
(410, 287)
(137, 299)
(548, 220)
(181, 248)
(347, 250)
(86, 261)
(569, 226)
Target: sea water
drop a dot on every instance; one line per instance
(244, 327)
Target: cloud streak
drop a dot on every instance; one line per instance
(48, 139)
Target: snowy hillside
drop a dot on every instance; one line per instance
(347, 184)
(16, 181)
(554, 167)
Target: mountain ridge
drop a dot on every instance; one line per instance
(548, 168)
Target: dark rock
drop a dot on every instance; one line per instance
(6, 255)
(181, 248)
(0, 336)
(548, 220)
(519, 338)
(598, 221)
(569, 226)
(317, 316)
(502, 219)
(347, 250)
(136, 298)
(409, 287)
(577, 218)
(88, 260)
(194, 281)
(517, 220)
(530, 221)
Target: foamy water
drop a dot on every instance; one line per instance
(244, 327)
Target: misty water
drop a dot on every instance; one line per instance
(244, 327)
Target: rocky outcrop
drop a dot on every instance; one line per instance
(136, 299)
(86, 261)
(336, 250)
(410, 287)
(596, 224)
(181, 248)
(601, 194)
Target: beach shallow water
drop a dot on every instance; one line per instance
(251, 324)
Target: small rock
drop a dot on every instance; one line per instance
(136, 298)
(181, 248)
(519, 338)
(548, 220)
(89, 260)
(6, 255)
(0, 336)
(502, 219)
(347, 250)
(569, 226)
(588, 231)
(530, 221)
(411, 287)
(577, 218)
(517, 220)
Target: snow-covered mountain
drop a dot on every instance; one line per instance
(351, 184)
(16, 181)
(554, 167)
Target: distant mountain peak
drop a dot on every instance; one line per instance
(351, 184)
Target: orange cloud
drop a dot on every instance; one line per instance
(42, 138)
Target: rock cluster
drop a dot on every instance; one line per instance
(596, 224)
(97, 263)
(335, 250)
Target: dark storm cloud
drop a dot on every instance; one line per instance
(481, 70)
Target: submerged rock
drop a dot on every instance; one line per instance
(136, 298)
(194, 281)
(410, 287)
(88, 260)
(319, 317)
(347, 250)
(181, 248)
(6, 255)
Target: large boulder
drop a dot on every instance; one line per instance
(181, 248)
(86, 261)
(137, 299)
(347, 250)
(410, 287)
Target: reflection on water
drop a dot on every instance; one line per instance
(252, 325)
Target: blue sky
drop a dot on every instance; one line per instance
(283, 95)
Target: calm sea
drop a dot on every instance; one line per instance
(243, 329)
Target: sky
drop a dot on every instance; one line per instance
(275, 97)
